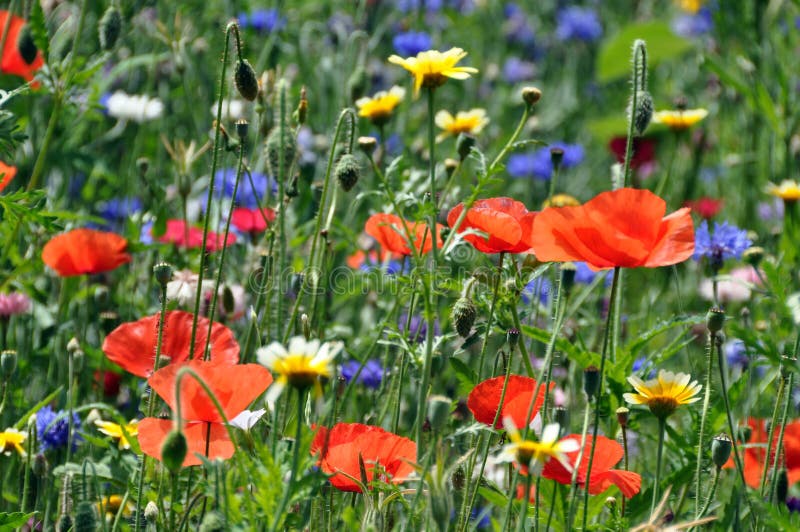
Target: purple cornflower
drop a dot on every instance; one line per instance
(13, 304)
(541, 286)
(411, 43)
(516, 70)
(578, 24)
(793, 504)
(419, 328)
(736, 354)
(371, 375)
(54, 434)
(693, 25)
(262, 20)
(642, 365)
(727, 242)
(538, 164)
(245, 197)
(585, 275)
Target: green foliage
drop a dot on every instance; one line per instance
(662, 45)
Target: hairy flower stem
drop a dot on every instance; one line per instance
(778, 450)
(295, 462)
(711, 493)
(573, 492)
(712, 339)
(662, 428)
(771, 434)
(70, 399)
(210, 197)
(638, 83)
(490, 318)
(282, 171)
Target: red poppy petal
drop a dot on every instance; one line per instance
(628, 482)
(85, 251)
(676, 240)
(153, 431)
(484, 400)
(385, 228)
(234, 386)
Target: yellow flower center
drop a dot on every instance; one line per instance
(662, 406)
(301, 371)
(561, 200)
(528, 451)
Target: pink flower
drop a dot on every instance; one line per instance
(13, 304)
(735, 287)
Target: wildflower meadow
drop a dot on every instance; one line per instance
(446, 265)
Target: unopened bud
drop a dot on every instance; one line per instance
(274, 148)
(439, 408)
(8, 363)
(512, 337)
(611, 503)
(242, 128)
(306, 324)
(591, 381)
(151, 512)
(85, 517)
(623, 415)
(464, 145)
(745, 431)
(347, 172)
(463, 315)
(556, 157)
(643, 112)
(302, 107)
(531, 95)
(25, 45)
(721, 450)
(782, 485)
(753, 255)
(173, 451)
(715, 320)
(450, 166)
(109, 28)
(568, 272)
(458, 479)
(244, 77)
(73, 345)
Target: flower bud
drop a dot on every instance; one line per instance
(623, 415)
(450, 166)
(643, 112)
(458, 479)
(464, 145)
(611, 503)
(782, 485)
(109, 28)
(347, 172)
(591, 381)
(367, 145)
(85, 517)
(163, 273)
(439, 408)
(512, 337)
(561, 416)
(531, 95)
(305, 321)
(173, 451)
(463, 316)
(25, 45)
(274, 148)
(78, 357)
(8, 363)
(715, 320)
(244, 77)
(721, 450)
(73, 345)
(301, 113)
(556, 158)
(568, 272)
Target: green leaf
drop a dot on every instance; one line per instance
(36, 407)
(39, 29)
(12, 520)
(613, 60)
(466, 376)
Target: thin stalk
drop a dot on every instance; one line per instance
(173, 477)
(70, 400)
(662, 428)
(282, 205)
(771, 435)
(662, 183)
(573, 495)
(706, 401)
(490, 318)
(523, 517)
(625, 462)
(295, 462)
(776, 460)
(712, 492)
(639, 83)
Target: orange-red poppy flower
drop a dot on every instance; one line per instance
(484, 400)
(12, 61)
(253, 221)
(621, 228)
(384, 454)
(607, 454)
(506, 222)
(706, 207)
(388, 230)
(132, 346)
(7, 173)
(234, 386)
(192, 237)
(756, 451)
(85, 251)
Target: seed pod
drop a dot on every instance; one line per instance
(25, 45)
(721, 450)
(347, 172)
(715, 320)
(109, 28)
(591, 381)
(464, 145)
(163, 273)
(244, 77)
(439, 408)
(463, 316)
(531, 95)
(274, 149)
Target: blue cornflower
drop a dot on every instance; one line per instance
(641, 364)
(727, 242)
(479, 517)
(541, 286)
(371, 375)
(585, 275)
(54, 435)
(411, 43)
(538, 163)
(262, 20)
(419, 328)
(578, 24)
(736, 354)
(226, 178)
(693, 25)
(516, 70)
(119, 209)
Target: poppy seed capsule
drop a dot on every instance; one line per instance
(242, 128)
(591, 381)
(25, 45)
(721, 450)
(450, 166)
(623, 414)
(753, 255)
(173, 451)
(109, 28)
(163, 273)
(531, 95)
(463, 316)
(512, 337)
(347, 172)
(8, 363)
(367, 145)
(643, 112)
(715, 320)
(244, 77)
(556, 158)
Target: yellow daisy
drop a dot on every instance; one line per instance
(110, 428)
(472, 122)
(432, 68)
(788, 190)
(532, 454)
(561, 200)
(12, 440)
(379, 108)
(665, 393)
(679, 119)
(692, 6)
(301, 366)
(112, 504)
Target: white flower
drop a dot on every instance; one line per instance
(133, 107)
(183, 287)
(231, 110)
(247, 419)
(302, 365)
(533, 454)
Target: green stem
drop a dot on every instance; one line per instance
(662, 428)
(173, 500)
(662, 183)
(490, 318)
(778, 449)
(573, 495)
(711, 494)
(70, 400)
(771, 435)
(38, 166)
(295, 462)
(706, 401)
(523, 517)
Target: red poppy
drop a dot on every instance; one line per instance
(253, 221)
(756, 450)
(360, 258)
(7, 173)
(234, 387)
(85, 251)
(132, 346)
(12, 60)
(507, 223)
(621, 228)
(388, 230)
(484, 400)
(607, 454)
(644, 150)
(192, 237)
(706, 207)
(341, 447)
(108, 381)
